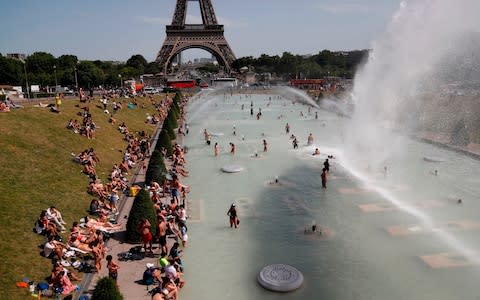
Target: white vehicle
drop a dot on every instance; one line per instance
(150, 90)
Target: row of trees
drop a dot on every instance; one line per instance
(156, 171)
(289, 66)
(41, 68)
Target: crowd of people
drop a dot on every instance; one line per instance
(169, 201)
(86, 238)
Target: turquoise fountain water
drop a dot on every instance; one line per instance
(370, 247)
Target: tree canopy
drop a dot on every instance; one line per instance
(42, 67)
(288, 65)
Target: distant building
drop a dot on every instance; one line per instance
(18, 56)
(224, 82)
(309, 84)
(205, 60)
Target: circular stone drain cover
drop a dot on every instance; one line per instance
(280, 278)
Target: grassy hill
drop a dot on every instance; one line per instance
(37, 171)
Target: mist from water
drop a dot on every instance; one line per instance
(294, 94)
(407, 59)
(414, 55)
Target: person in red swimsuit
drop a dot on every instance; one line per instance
(144, 229)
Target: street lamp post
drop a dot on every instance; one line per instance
(55, 73)
(26, 78)
(121, 82)
(76, 79)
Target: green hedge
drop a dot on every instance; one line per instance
(142, 208)
(156, 168)
(169, 128)
(165, 141)
(106, 289)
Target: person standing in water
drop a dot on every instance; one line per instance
(310, 139)
(287, 128)
(232, 148)
(265, 146)
(251, 111)
(326, 165)
(324, 178)
(316, 115)
(216, 149)
(205, 134)
(232, 213)
(295, 143)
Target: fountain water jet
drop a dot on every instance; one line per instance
(411, 57)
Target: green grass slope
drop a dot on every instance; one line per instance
(36, 171)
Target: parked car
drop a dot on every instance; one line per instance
(150, 90)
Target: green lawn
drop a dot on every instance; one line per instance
(36, 171)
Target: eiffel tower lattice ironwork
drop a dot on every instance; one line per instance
(207, 36)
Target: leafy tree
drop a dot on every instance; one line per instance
(137, 62)
(209, 68)
(106, 289)
(67, 62)
(128, 72)
(89, 75)
(153, 68)
(11, 71)
(41, 62)
(142, 208)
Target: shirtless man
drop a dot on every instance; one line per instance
(310, 139)
(216, 149)
(162, 235)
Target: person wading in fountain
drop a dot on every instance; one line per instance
(232, 148)
(265, 146)
(324, 178)
(326, 165)
(232, 213)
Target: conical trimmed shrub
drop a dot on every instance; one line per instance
(169, 128)
(142, 208)
(156, 170)
(106, 289)
(165, 141)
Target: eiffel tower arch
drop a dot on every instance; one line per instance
(207, 36)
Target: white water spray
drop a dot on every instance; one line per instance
(289, 93)
(408, 59)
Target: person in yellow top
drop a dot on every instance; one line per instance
(58, 102)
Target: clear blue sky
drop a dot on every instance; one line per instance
(117, 29)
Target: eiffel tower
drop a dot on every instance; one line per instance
(207, 36)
